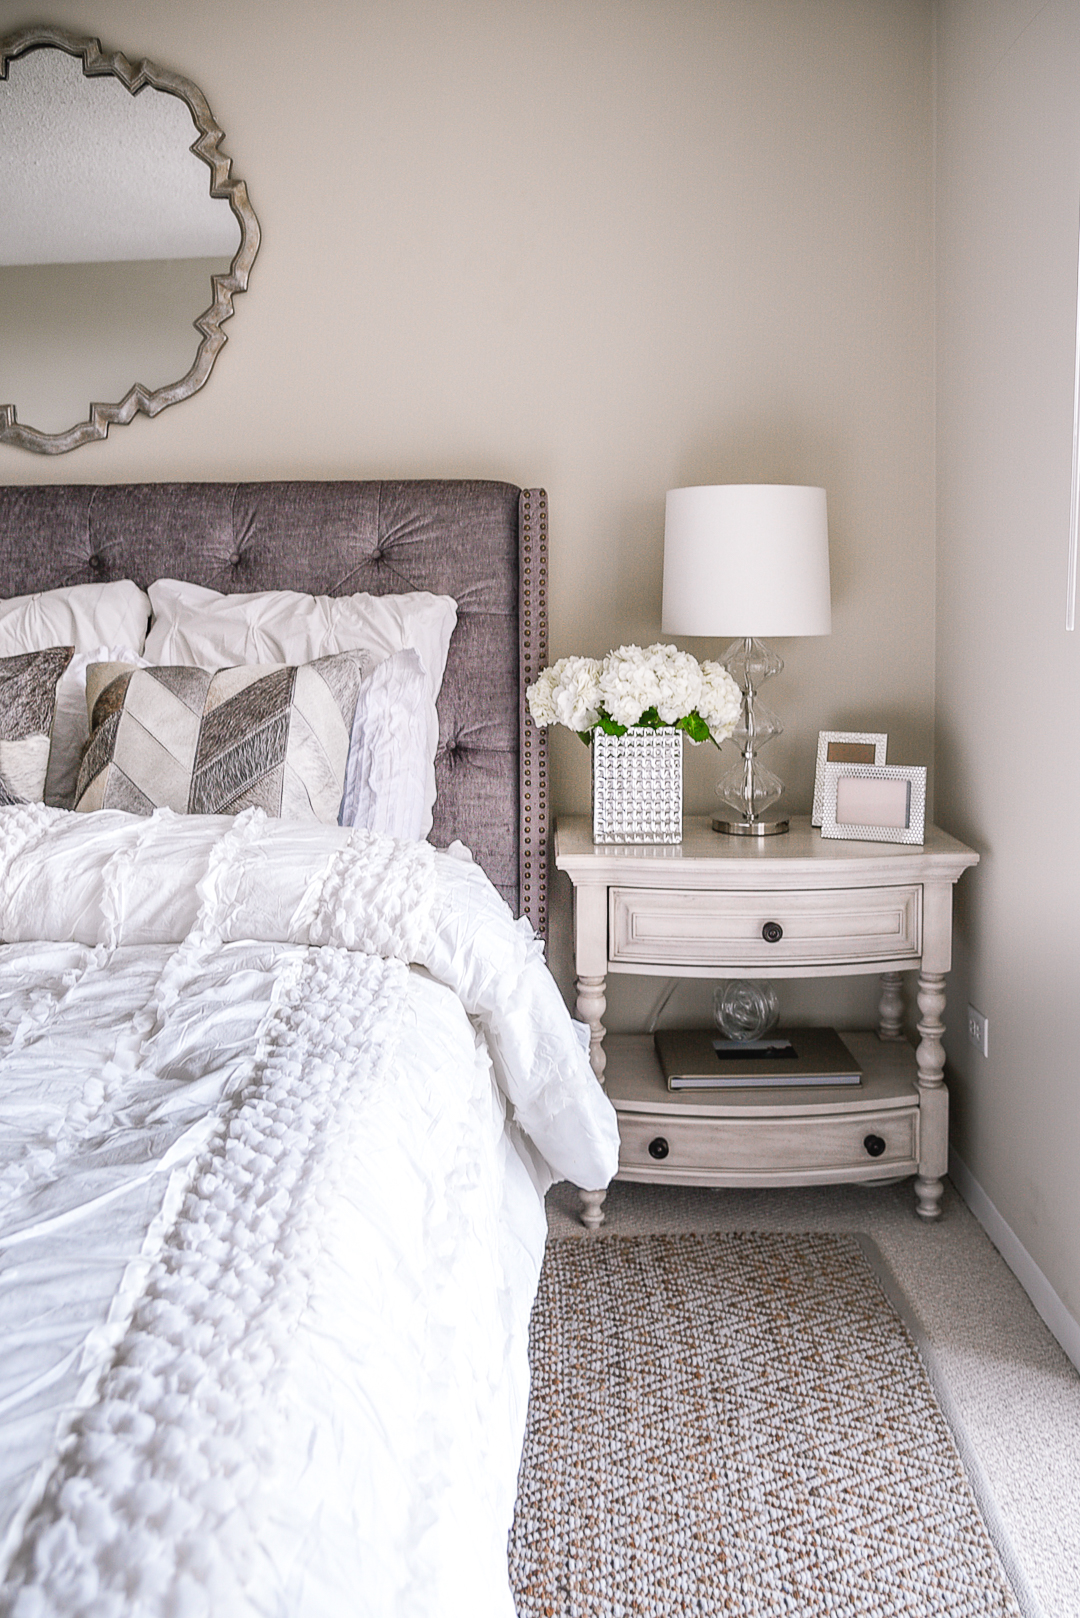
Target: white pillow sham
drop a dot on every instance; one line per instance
(103, 622)
(199, 627)
(386, 774)
(82, 615)
(202, 628)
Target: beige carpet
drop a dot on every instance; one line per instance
(738, 1423)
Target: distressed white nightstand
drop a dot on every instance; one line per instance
(794, 906)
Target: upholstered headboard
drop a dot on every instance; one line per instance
(483, 543)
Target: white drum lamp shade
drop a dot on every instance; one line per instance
(746, 559)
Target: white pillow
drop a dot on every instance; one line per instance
(83, 615)
(202, 628)
(386, 775)
(102, 622)
(194, 626)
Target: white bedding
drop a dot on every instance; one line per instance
(267, 1242)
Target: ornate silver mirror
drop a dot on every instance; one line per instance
(115, 229)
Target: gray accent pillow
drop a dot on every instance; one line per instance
(215, 742)
(28, 684)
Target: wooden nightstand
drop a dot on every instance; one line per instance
(797, 905)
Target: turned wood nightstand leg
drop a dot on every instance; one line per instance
(591, 1005)
(933, 1096)
(592, 1211)
(891, 1006)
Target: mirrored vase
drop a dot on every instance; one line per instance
(637, 786)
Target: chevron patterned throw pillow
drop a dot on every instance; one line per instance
(214, 742)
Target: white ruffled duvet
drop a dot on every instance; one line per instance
(268, 1238)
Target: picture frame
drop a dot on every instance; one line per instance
(844, 747)
(903, 814)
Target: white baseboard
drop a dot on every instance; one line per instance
(1063, 1325)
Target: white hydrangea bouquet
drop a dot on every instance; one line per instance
(654, 687)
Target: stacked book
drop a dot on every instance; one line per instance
(700, 1059)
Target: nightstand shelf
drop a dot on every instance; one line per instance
(791, 906)
(806, 1135)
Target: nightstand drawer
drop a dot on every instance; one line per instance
(833, 927)
(702, 1149)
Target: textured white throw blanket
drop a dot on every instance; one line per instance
(188, 1475)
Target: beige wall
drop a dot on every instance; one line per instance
(610, 246)
(1008, 693)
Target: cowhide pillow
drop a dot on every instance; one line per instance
(28, 684)
(214, 742)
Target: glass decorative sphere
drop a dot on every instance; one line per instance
(745, 1009)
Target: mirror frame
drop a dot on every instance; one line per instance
(207, 146)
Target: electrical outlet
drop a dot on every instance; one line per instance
(979, 1030)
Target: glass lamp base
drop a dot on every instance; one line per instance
(750, 828)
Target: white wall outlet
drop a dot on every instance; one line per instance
(979, 1030)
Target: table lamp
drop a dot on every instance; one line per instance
(747, 559)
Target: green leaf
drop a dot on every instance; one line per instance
(695, 727)
(608, 725)
(586, 737)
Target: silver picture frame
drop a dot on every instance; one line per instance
(913, 832)
(831, 740)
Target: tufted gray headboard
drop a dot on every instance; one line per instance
(483, 543)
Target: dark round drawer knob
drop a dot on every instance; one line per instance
(874, 1145)
(659, 1148)
(772, 932)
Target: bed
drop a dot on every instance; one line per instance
(279, 1098)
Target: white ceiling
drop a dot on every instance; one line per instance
(91, 173)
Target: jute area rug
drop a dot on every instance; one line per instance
(738, 1424)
